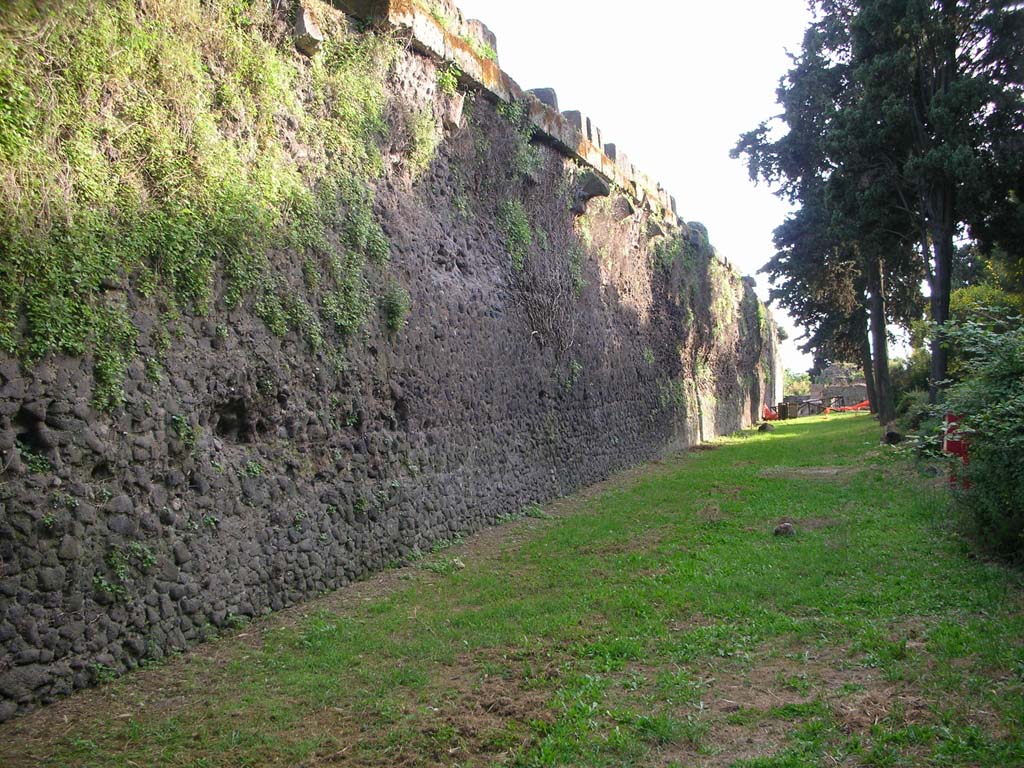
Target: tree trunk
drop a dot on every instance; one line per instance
(933, 80)
(880, 341)
(866, 366)
(942, 228)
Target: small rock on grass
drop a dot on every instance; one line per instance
(891, 435)
(785, 529)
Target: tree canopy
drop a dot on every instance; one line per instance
(902, 137)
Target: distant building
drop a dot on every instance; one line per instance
(840, 381)
(851, 393)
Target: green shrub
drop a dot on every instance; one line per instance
(525, 158)
(985, 300)
(922, 422)
(913, 409)
(668, 251)
(346, 308)
(910, 374)
(990, 400)
(796, 382)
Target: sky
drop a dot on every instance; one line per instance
(673, 85)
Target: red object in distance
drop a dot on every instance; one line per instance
(863, 405)
(955, 444)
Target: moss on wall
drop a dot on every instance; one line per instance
(165, 151)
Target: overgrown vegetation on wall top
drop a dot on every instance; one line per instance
(161, 151)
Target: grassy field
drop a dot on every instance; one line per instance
(654, 620)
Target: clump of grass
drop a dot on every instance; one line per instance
(576, 279)
(480, 48)
(444, 567)
(184, 431)
(346, 307)
(396, 304)
(36, 463)
(448, 79)
(442, 18)
(535, 511)
(518, 233)
(668, 251)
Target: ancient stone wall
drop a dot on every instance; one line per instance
(562, 324)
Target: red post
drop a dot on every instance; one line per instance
(955, 444)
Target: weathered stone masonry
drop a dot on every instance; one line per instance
(256, 474)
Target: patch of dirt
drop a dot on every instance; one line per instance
(739, 695)
(733, 492)
(711, 513)
(807, 473)
(508, 695)
(725, 745)
(475, 716)
(694, 621)
(649, 538)
(762, 687)
(859, 711)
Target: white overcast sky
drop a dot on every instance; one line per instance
(673, 84)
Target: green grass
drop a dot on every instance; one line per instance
(654, 621)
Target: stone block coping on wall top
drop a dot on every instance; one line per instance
(438, 29)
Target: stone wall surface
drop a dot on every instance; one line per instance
(256, 473)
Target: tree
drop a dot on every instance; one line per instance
(795, 383)
(904, 121)
(945, 74)
(834, 253)
(820, 285)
